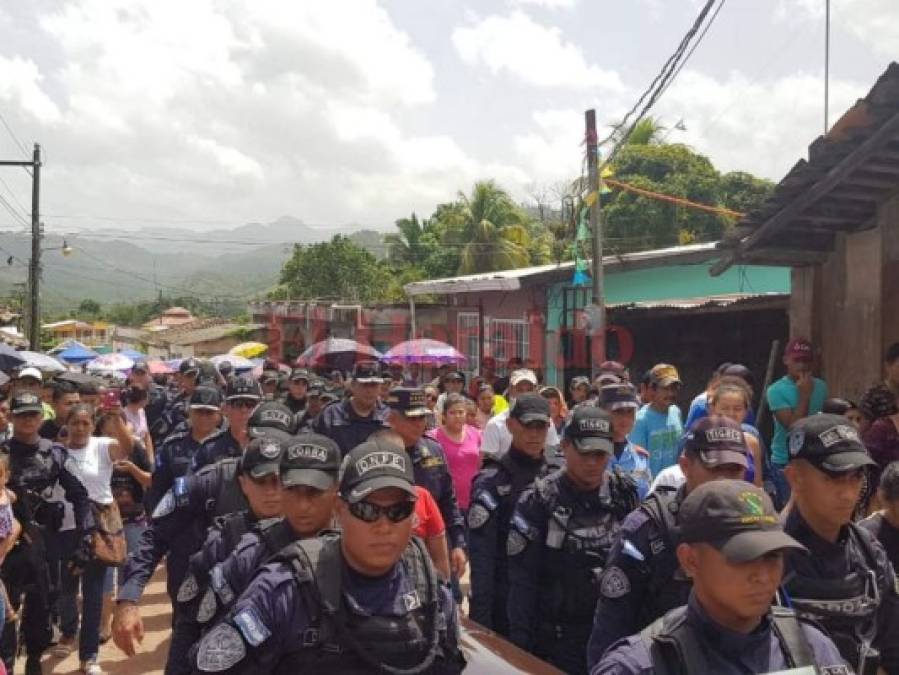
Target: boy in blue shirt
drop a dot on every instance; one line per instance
(659, 425)
(796, 395)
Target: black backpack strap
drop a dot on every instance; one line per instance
(671, 643)
(793, 642)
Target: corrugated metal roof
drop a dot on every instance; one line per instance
(511, 280)
(708, 301)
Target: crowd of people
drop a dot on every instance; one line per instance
(346, 521)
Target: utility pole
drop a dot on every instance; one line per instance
(596, 311)
(34, 266)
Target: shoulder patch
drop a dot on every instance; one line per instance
(487, 499)
(835, 670)
(631, 551)
(207, 607)
(251, 627)
(520, 524)
(477, 516)
(615, 583)
(220, 649)
(188, 589)
(515, 543)
(220, 585)
(165, 506)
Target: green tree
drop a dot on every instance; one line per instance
(89, 307)
(495, 230)
(336, 269)
(405, 247)
(744, 192)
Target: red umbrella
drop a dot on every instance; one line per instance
(338, 353)
(423, 350)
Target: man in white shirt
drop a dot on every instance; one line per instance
(497, 438)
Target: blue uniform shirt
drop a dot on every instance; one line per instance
(432, 473)
(726, 652)
(340, 423)
(219, 445)
(173, 460)
(270, 621)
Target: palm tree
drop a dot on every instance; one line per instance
(647, 131)
(495, 235)
(404, 247)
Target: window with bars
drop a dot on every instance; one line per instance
(468, 336)
(508, 338)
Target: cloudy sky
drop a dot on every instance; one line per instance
(214, 113)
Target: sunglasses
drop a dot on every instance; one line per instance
(370, 513)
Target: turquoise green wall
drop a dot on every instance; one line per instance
(674, 282)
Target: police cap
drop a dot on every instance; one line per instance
(262, 457)
(829, 442)
(310, 459)
(410, 401)
(590, 430)
(374, 465)
(717, 440)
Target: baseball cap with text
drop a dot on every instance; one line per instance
(374, 465)
(717, 440)
(829, 442)
(310, 459)
(590, 430)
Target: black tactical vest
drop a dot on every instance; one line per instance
(339, 640)
(677, 650)
(575, 551)
(847, 607)
(229, 498)
(33, 472)
(668, 587)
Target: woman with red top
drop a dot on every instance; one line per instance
(462, 445)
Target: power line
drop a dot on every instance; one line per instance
(13, 136)
(695, 45)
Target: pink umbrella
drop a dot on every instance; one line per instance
(423, 350)
(158, 367)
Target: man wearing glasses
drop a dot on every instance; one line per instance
(241, 398)
(366, 599)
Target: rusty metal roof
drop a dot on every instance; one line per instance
(849, 173)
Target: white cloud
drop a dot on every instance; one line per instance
(546, 4)
(873, 22)
(20, 83)
(530, 52)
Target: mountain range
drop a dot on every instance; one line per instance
(112, 266)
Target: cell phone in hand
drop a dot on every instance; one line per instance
(111, 400)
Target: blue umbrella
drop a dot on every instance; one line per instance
(77, 354)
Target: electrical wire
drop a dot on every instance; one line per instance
(13, 136)
(695, 45)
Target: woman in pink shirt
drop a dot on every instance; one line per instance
(462, 445)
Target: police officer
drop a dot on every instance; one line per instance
(272, 418)
(560, 534)
(408, 418)
(309, 468)
(494, 493)
(353, 420)
(196, 601)
(180, 521)
(621, 401)
(176, 455)
(297, 387)
(642, 579)
(847, 583)
(241, 398)
(175, 414)
(732, 546)
(37, 466)
(364, 600)
(270, 379)
(314, 405)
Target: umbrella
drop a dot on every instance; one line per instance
(339, 353)
(110, 362)
(44, 363)
(10, 359)
(173, 364)
(248, 349)
(77, 378)
(237, 362)
(77, 354)
(157, 367)
(423, 350)
(133, 354)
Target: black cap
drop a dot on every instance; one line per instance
(310, 459)
(299, 374)
(26, 402)
(243, 387)
(829, 442)
(456, 375)
(717, 441)
(408, 400)
(590, 430)
(618, 396)
(271, 415)
(262, 457)
(735, 517)
(269, 375)
(190, 366)
(368, 372)
(375, 464)
(316, 387)
(205, 398)
(530, 408)
(140, 365)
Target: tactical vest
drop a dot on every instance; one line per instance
(677, 650)
(229, 497)
(846, 607)
(668, 587)
(339, 640)
(32, 477)
(575, 551)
